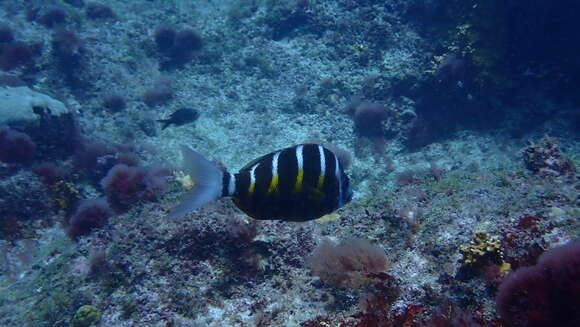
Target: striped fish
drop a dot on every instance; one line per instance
(299, 183)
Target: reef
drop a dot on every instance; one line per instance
(456, 121)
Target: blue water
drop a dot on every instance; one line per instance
(457, 123)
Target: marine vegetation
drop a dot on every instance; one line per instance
(300, 163)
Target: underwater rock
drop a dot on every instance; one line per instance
(23, 104)
(49, 123)
(546, 159)
(25, 204)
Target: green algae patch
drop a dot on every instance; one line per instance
(86, 316)
(45, 292)
(53, 293)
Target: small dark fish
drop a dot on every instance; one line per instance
(180, 117)
(299, 183)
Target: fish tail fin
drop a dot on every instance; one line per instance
(208, 183)
(164, 123)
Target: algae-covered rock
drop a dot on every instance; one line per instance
(19, 104)
(49, 122)
(86, 316)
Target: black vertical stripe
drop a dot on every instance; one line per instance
(287, 171)
(330, 187)
(311, 167)
(225, 184)
(263, 174)
(242, 185)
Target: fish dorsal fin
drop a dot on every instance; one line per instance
(252, 163)
(271, 154)
(249, 165)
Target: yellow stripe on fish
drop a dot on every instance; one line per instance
(300, 163)
(252, 179)
(320, 182)
(273, 184)
(322, 160)
(275, 179)
(299, 180)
